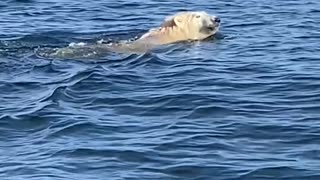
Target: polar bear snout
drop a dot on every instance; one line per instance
(212, 24)
(216, 20)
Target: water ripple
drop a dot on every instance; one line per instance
(241, 105)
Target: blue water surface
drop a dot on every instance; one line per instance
(243, 105)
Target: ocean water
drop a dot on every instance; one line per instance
(242, 105)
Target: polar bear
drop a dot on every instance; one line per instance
(183, 26)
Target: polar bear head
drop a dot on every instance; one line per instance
(196, 25)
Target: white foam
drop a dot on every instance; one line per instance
(77, 44)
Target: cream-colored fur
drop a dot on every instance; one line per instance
(183, 26)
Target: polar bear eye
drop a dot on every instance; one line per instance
(198, 16)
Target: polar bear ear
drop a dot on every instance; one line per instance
(169, 22)
(179, 20)
(176, 20)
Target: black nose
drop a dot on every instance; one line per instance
(217, 20)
